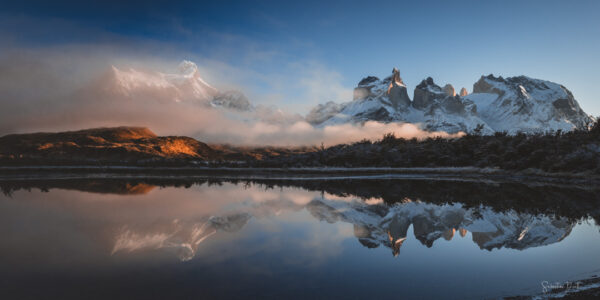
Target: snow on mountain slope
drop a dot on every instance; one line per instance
(496, 104)
(526, 104)
(184, 86)
(387, 101)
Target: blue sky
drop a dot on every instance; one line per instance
(324, 49)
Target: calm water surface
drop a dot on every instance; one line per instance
(348, 239)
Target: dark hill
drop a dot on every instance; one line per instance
(116, 144)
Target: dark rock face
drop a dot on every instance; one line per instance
(565, 106)
(397, 91)
(381, 115)
(368, 243)
(427, 93)
(482, 86)
(363, 90)
(425, 82)
(453, 105)
(463, 92)
(568, 107)
(422, 99)
(368, 80)
(398, 96)
(232, 100)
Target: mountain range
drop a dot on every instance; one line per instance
(514, 104)
(497, 104)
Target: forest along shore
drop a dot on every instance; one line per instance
(557, 154)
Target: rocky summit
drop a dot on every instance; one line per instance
(515, 104)
(525, 104)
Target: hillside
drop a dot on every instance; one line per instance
(126, 145)
(116, 145)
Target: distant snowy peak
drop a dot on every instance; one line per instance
(186, 85)
(514, 104)
(390, 91)
(526, 104)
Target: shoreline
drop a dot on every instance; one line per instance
(308, 173)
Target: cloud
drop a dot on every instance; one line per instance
(281, 73)
(70, 87)
(302, 133)
(274, 79)
(322, 83)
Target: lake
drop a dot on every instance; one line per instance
(351, 238)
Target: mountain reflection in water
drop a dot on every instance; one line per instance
(131, 217)
(374, 225)
(376, 221)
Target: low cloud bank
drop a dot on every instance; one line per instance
(302, 133)
(46, 91)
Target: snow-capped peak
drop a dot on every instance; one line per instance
(187, 68)
(513, 104)
(184, 85)
(526, 104)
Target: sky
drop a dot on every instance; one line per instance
(296, 54)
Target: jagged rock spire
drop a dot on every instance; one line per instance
(397, 91)
(396, 77)
(449, 90)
